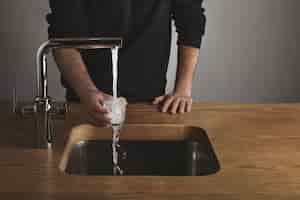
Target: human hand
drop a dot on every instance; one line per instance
(175, 103)
(93, 100)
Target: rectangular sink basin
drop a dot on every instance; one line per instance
(145, 150)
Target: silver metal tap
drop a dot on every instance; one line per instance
(44, 109)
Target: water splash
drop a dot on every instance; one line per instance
(115, 145)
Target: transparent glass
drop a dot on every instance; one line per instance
(116, 109)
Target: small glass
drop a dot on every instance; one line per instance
(116, 109)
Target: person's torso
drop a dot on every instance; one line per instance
(145, 26)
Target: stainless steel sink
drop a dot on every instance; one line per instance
(145, 150)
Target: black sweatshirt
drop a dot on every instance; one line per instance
(145, 26)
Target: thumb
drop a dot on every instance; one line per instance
(157, 100)
(99, 101)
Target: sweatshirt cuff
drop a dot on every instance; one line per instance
(189, 41)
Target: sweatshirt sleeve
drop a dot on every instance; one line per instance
(67, 19)
(190, 21)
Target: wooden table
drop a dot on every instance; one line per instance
(258, 147)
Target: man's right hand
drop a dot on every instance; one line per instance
(74, 71)
(93, 100)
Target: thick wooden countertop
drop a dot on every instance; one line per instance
(258, 147)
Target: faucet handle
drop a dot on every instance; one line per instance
(58, 110)
(24, 110)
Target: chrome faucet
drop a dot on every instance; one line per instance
(44, 108)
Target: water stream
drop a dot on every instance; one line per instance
(115, 57)
(116, 128)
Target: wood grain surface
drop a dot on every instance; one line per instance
(258, 147)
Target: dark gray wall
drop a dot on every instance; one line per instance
(250, 51)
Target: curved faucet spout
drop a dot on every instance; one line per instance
(77, 43)
(43, 103)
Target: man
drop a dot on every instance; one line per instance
(145, 26)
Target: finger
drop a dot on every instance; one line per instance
(189, 106)
(157, 100)
(182, 106)
(167, 104)
(96, 122)
(101, 118)
(100, 124)
(175, 105)
(106, 97)
(101, 109)
(98, 108)
(100, 98)
(99, 105)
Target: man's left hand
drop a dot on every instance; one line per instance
(174, 103)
